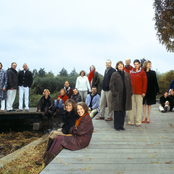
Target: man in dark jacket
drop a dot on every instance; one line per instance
(12, 86)
(76, 96)
(106, 94)
(25, 80)
(68, 89)
(171, 96)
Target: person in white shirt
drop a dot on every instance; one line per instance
(82, 84)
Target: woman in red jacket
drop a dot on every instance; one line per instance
(139, 86)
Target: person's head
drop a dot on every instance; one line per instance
(25, 67)
(82, 73)
(172, 92)
(128, 61)
(146, 65)
(94, 90)
(66, 84)
(0, 65)
(108, 63)
(13, 65)
(62, 92)
(75, 91)
(82, 108)
(92, 68)
(136, 64)
(70, 105)
(119, 66)
(46, 92)
(165, 94)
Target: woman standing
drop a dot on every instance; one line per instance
(93, 77)
(152, 90)
(82, 84)
(121, 89)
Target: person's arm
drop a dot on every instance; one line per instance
(88, 85)
(130, 84)
(30, 79)
(97, 79)
(77, 83)
(10, 79)
(96, 103)
(5, 80)
(171, 84)
(112, 85)
(51, 102)
(156, 83)
(87, 100)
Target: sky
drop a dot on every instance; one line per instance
(79, 33)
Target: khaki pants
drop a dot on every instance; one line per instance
(136, 101)
(92, 113)
(106, 97)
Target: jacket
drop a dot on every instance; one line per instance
(95, 101)
(25, 79)
(171, 97)
(64, 98)
(128, 69)
(12, 79)
(41, 102)
(3, 84)
(69, 92)
(95, 80)
(163, 100)
(139, 81)
(171, 85)
(81, 135)
(106, 80)
(82, 84)
(116, 87)
(77, 98)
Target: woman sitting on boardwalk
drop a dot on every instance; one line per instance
(45, 103)
(79, 135)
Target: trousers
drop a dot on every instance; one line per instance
(11, 95)
(23, 91)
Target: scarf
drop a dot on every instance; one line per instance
(90, 76)
(78, 121)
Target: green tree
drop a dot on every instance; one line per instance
(41, 72)
(63, 72)
(164, 22)
(35, 73)
(73, 73)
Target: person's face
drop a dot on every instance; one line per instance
(25, 67)
(108, 64)
(82, 74)
(69, 107)
(120, 67)
(46, 93)
(75, 91)
(92, 68)
(80, 110)
(0, 66)
(172, 92)
(14, 66)
(149, 65)
(94, 90)
(165, 94)
(62, 93)
(136, 65)
(127, 62)
(66, 84)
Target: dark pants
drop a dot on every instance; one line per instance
(119, 119)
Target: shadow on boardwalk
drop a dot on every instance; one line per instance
(137, 150)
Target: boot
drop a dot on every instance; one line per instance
(50, 142)
(48, 157)
(39, 162)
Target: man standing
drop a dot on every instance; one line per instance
(106, 94)
(68, 89)
(12, 86)
(3, 85)
(128, 67)
(25, 79)
(139, 87)
(93, 101)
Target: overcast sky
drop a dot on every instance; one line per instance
(78, 33)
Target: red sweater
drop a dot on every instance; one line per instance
(128, 69)
(139, 81)
(64, 98)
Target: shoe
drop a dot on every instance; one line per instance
(99, 118)
(148, 121)
(19, 110)
(122, 129)
(109, 119)
(128, 124)
(9, 110)
(137, 125)
(117, 129)
(48, 158)
(165, 108)
(2, 111)
(13, 110)
(144, 121)
(163, 111)
(39, 162)
(26, 110)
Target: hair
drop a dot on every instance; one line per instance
(145, 64)
(66, 81)
(165, 92)
(75, 88)
(136, 60)
(13, 63)
(1, 65)
(90, 67)
(45, 91)
(170, 91)
(83, 105)
(63, 90)
(94, 87)
(119, 62)
(81, 72)
(109, 61)
(72, 102)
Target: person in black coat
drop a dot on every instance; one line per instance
(152, 90)
(25, 80)
(165, 102)
(76, 96)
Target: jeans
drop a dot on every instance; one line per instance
(59, 104)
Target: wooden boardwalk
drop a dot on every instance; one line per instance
(148, 149)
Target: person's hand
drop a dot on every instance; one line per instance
(39, 110)
(143, 94)
(11, 88)
(3, 89)
(167, 103)
(89, 109)
(58, 98)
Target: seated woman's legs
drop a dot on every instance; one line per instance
(60, 105)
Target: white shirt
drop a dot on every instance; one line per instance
(82, 84)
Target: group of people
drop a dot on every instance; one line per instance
(10, 82)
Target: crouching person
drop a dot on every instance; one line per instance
(45, 103)
(78, 138)
(76, 96)
(93, 102)
(165, 103)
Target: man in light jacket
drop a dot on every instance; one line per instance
(93, 101)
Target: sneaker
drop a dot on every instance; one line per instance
(165, 108)
(19, 110)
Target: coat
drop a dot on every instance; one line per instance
(3, 84)
(152, 88)
(171, 85)
(77, 98)
(128, 69)
(12, 79)
(25, 79)
(116, 87)
(139, 81)
(95, 80)
(64, 98)
(41, 102)
(81, 136)
(69, 92)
